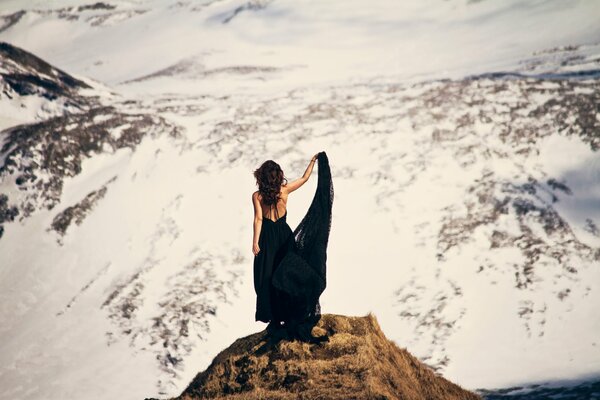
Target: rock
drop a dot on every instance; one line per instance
(358, 362)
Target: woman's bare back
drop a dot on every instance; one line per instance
(269, 211)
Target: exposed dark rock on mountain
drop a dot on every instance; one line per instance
(38, 157)
(7, 212)
(584, 389)
(97, 6)
(79, 211)
(193, 69)
(6, 21)
(41, 155)
(184, 312)
(358, 362)
(27, 74)
(252, 5)
(96, 14)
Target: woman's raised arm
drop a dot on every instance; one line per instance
(295, 184)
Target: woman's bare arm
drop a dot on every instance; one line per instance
(293, 185)
(257, 222)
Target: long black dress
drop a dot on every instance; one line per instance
(290, 268)
(273, 241)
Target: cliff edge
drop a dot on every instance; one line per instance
(358, 362)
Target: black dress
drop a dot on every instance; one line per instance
(273, 241)
(290, 268)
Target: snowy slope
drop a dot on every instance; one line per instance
(466, 215)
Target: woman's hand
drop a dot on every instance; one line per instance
(255, 248)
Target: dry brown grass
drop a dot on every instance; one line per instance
(358, 362)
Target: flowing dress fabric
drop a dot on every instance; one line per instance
(291, 274)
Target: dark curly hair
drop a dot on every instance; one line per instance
(269, 178)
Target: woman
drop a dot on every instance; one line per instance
(289, 267)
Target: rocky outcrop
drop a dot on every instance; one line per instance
(28, 74)
(357, 362)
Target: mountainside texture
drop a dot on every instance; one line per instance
(27, 74)
(38, 157)
(470, 167)
(358, 362)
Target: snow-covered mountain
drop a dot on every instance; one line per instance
(465, 157)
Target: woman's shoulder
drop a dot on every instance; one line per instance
(283, 192)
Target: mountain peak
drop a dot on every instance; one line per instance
(357, 362)
(27, 74)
